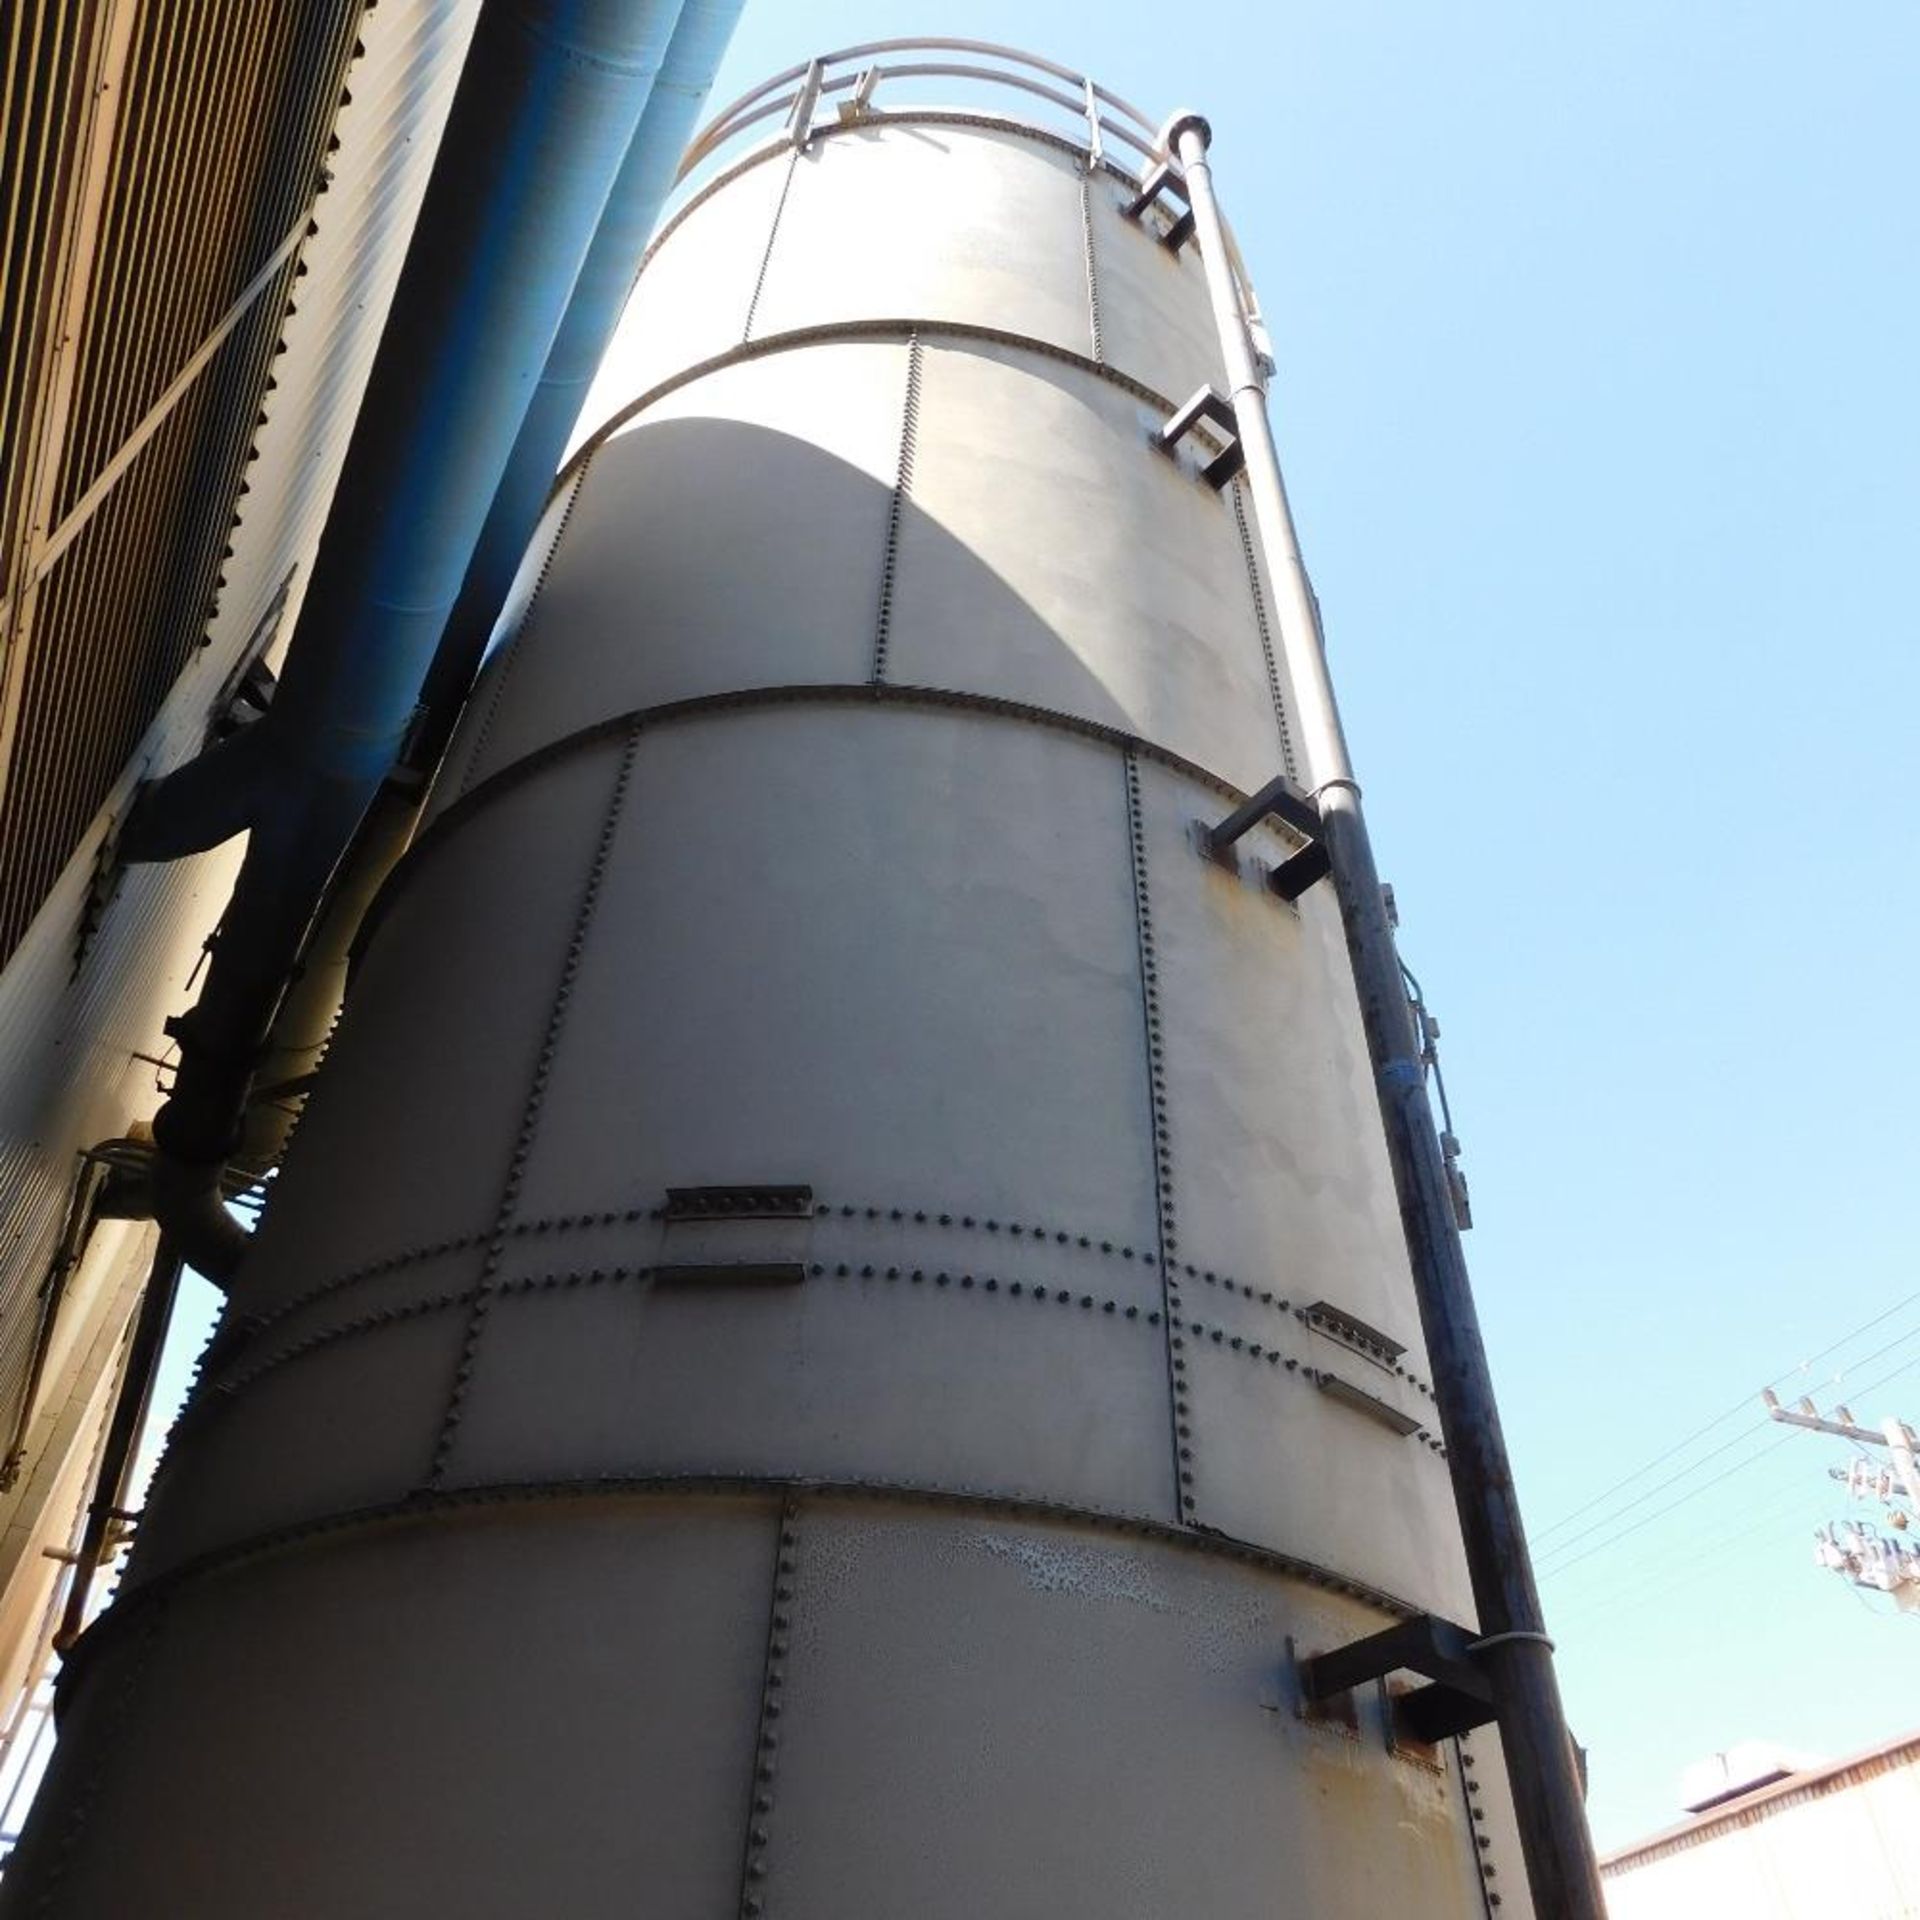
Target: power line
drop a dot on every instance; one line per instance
(1659, 1486)
(1718, 1420)
(1647, 1520)
(1698, 1566)
(1739, 1466)
(1638, 1587)
(1679, 1446)
(1847, 1340)
(1646, 1558)
(1866, 1360)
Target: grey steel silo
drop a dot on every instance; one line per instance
(836, 1326)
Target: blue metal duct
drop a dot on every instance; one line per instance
(547, 109)
(599, 297)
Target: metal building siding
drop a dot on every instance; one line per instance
(182, 233)
(1146, 619)
(46, 59)
(1846, 1841)
(69, 1036)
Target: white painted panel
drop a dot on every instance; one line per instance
(1049, 554)
(888, 953)
(1156, 322)
(694, 295)
(1036, 1720)
(1280, 1463)
(350, 1424)
(733, 537)
(932, 222)
(539, 1710)
(408, 1136)
(843, 1379)
(1280, 1174)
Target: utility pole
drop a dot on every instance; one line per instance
(1886, 1563)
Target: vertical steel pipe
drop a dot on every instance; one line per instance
(1515, 1649)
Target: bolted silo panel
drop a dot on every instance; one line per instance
(836, 1327)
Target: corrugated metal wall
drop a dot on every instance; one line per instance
(160, 165)
(208, 526)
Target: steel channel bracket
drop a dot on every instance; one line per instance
(1163, 180)
(1457, 1698)
(1279, 799)
(1217, 410)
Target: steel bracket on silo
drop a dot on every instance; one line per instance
(1217, 411)
(1457, 1698)
(699, 1248)
(1163, 180)
(1281, 800)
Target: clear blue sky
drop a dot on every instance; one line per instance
(1596, 332)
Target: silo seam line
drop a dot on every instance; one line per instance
(1257, 587)
(747, 699)
(890, 327)
(1092, 267)
(530, 1119)
(1180, 1424)
(522, 630)
(227, 1393)
(134, 1608)
(764, 1772)
(896, 511)
(238, 1334)
(782, 144)
(773, 234)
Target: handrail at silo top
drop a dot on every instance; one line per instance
(842, 83)
(777, 96)
(859, 70)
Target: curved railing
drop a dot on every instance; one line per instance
(850, 79)
(994, 79)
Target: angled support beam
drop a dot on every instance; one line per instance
(1163, 180)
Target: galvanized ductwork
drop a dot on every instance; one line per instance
(836, 1326)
